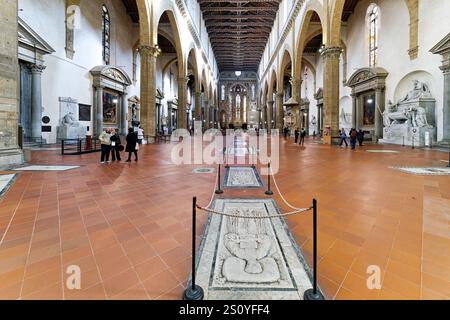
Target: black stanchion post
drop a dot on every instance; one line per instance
(412, 141)
(269, 192)
(403, 141)
(314, 294)
(219, 190)
(193, 292)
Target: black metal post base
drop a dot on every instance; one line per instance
(269, 192)
(310, 295)
(219, 191)
(196, 294)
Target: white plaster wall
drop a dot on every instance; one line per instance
(71, 78)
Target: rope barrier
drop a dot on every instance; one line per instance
(254, 217)
(281, 195)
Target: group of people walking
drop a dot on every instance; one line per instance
(355, 137)
(300, 134)
(111, 144)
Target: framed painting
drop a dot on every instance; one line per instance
(110, 107)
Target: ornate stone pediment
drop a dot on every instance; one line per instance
(29, 39)
(113, 73)
(365, 75)
(443, 46)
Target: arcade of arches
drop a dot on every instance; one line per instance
(71, 69)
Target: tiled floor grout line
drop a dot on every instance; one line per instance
(60, 240)
(126, 255)
(14, 214)
(92, 251)
(30, 245)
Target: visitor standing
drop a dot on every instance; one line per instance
(360, 137)
(105, 141)
(132, 145)
(296, 134)
(343, 137)
(302, 137)
(115, 145)
(353, 138)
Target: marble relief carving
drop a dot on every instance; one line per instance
(242, 177)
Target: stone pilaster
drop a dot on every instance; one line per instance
(280, 111)
(331, 89)
(148, 56)
(198, 106)
(182, 95)
(446, 70)
(207, 116)
(123, 113)
(269, 113)
(379, 109)
(10, 153)
(36, 100)
(99, 112)
(354, 106)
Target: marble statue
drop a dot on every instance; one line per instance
(250, 248)
(420, 90)
(411, 118)
(69, 120)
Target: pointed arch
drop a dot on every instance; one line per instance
(287, 58)
(175, 37)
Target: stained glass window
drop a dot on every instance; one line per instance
(106, 36)
(373, 36)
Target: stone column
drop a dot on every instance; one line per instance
(207, 116)
(182, 95)
(148, 56)
(124, 112)
(269, 113)
(36, 100)
(99, 112)
(354, 103)
(446, 70)
(331, 89)
(280, 111)
(10, 152)
(379, 108)
(198, 106)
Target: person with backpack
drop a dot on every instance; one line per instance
(343, 137)
(353, 138)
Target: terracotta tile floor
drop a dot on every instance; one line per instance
(128, 225)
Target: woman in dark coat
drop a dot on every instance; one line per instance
(115, 146)
(131, 144)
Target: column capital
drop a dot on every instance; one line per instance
(36, 68)
(270, 103)
(183, 79)
(331, 52)
(153, 51)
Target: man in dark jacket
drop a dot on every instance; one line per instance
(131, 144)
(297, 134)
(302, 137)
(115, 146)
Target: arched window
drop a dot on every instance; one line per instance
(373, 35)
(106, 36)
(238, 106)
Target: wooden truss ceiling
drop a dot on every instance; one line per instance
(239, 31)
(132, 9)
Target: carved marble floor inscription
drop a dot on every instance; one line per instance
(250, 258)
(242, 177)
